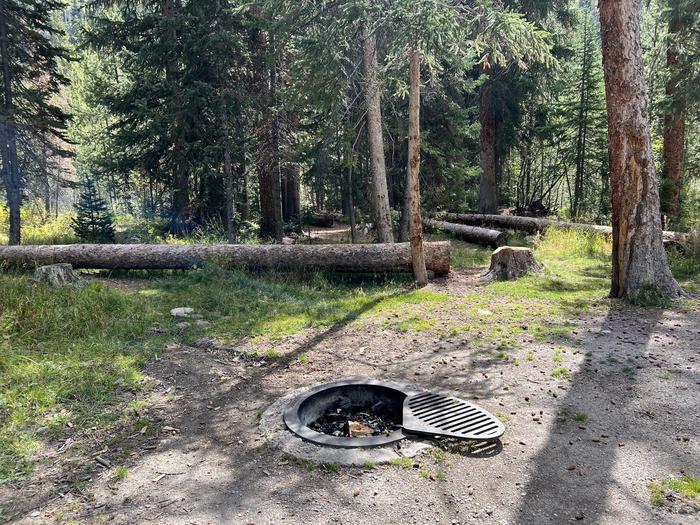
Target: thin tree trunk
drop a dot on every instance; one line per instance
(180, 178)
(8, 142)
(380, 194)
(488, 191)
(229, 185)
(420, 274)
(674, 131)
(639, 259)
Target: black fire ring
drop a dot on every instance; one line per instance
(359, 391)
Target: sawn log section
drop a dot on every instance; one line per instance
(379, 258)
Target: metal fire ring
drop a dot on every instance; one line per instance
(294, 423)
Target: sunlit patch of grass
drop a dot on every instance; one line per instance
(686, 487)
(402, 462)
(561, 373)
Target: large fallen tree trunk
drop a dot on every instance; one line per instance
(534, 224)
(470, 233)
(377, 258)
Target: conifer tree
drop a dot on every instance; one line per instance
(29, 77)
(94, 223)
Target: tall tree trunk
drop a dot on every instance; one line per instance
(229, 185)
(8, 141)
(488, 191)
(674, 130)
(420, 274)
(268, 165)
(380, 194)
(180, 178)
(639, 260)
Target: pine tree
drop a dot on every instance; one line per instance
(94, 223)
(29, 78)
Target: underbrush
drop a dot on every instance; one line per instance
(39, 227)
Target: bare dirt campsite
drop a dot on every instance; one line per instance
(349, 262)
(599, 398)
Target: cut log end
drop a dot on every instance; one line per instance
(509, 263)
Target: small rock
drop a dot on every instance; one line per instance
(202, 322)
(182, 311)
(183, 325)
(579, 516)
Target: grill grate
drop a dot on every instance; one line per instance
(437, 415)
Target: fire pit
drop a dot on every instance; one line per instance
(360, 412)
(355, 412)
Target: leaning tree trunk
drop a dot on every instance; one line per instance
(488, 192)
(639, 259)
(380, 258)
(380, 193)
(674, 131)
(413, 180)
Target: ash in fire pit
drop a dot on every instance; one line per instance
(347, 420)
(355, 412)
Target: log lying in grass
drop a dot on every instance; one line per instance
(374, 258)
(534, 224)
(470, 233)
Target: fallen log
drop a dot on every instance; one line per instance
(373, 258)
(535, 224)
(323, 220)
(470, 233)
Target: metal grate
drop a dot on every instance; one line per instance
(437, 415)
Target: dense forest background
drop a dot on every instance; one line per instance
(236, 120)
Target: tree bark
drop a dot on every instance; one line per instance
(470, 233)
(488, 191)
(420, 274)
(8, 142)
(180, 177)
(380, 258)
(535, 224)
(268, 165)
(639, 259)
(380, 194)
(674, 130)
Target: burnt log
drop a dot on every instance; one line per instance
(473, 234)
(535, 224)
(373, 258)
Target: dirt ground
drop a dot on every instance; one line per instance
(579, 450)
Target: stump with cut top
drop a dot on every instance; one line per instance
(511, 262)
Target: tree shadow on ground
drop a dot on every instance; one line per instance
(575, 472)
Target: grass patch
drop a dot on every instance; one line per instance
(402, 462)
(580, 417)
(686, 487)
(121, 473)
(561, 373)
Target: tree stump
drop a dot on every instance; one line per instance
(510, 263)
(56, 275)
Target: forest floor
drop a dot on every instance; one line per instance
(115, 414)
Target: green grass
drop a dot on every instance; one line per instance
(120, 473)
(402, 462)
(686, 487)
(580, 417)
(561, 373)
